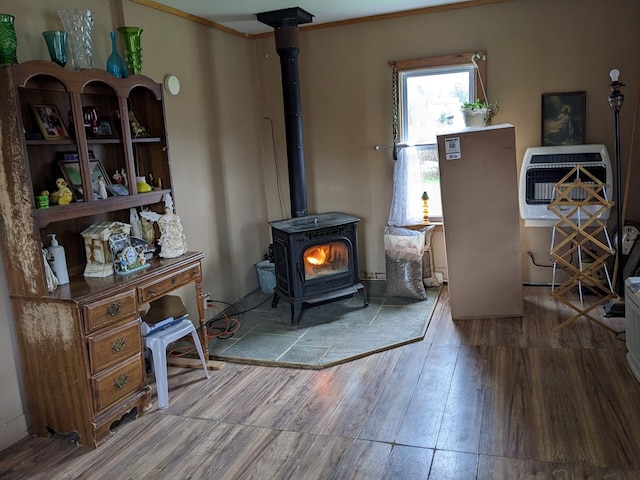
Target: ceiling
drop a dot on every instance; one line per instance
(239, 15)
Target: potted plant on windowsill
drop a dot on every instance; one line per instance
(479, 113)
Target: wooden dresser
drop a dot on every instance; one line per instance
(80, 346)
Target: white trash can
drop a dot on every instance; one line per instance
(266, 276)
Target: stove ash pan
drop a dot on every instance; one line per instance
(316, 260)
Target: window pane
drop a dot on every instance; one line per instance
(431, 100)
(430, 176)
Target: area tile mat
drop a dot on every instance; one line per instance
(327, 334)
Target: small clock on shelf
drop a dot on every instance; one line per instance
(129, 260)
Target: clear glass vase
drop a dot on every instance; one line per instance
(133, 49)
(78, 23)
(8, 40)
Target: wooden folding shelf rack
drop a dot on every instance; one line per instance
(579, 231)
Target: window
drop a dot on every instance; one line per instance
(431, 91)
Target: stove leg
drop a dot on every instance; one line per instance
(274, 300)
(296, 313)
(363, 294)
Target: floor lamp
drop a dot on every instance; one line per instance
(616, 99)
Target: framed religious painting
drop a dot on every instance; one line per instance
(564, 118)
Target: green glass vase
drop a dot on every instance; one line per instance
(8, 40)
(133, 49)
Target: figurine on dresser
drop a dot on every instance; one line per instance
(173, 242)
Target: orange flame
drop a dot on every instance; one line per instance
(317, 255)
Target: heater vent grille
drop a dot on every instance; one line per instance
(543, 167)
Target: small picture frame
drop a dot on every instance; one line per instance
(106, 128)
(564, 118)
(50, 121)
(117, 189)
(71, 172)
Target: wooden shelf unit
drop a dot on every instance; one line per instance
(80, 346)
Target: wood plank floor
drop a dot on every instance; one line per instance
(486, 399)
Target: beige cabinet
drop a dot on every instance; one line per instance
(481, 222)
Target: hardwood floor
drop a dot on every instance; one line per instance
(486, 399)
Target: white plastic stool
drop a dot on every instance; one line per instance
(157, 342)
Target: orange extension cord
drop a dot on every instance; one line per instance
(232, 326)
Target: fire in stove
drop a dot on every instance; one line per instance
(326, 259)
(316, 260)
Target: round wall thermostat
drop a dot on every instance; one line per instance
(172, 84)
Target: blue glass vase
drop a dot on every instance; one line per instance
(115, 63)
(57, 44)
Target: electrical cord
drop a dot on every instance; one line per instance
(230, 327)
(275, 160)
(533, 261)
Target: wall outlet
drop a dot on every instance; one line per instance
(207, 298)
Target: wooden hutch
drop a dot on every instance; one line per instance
(80, 346)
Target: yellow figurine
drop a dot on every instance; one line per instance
(63, 195)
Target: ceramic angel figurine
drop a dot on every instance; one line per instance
(172, 240)
(102, 188)
(136, 226)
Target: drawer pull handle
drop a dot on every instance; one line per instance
(119, 345)
(152, 291)
(114, 309)
(173, 281)
(121, 381)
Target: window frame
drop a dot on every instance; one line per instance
(442, 62)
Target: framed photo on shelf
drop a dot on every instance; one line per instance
(564, 118)
(106, 128)
(117, 189)
(50, 121)
(71, 172)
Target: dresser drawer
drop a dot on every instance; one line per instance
(111, 310)
(107, 349)
(177, 279)
(118, 382)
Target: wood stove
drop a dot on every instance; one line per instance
(316, 260)
(316, 256)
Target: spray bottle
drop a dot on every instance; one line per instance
(58, 261)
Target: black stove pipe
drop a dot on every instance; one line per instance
(285, 22)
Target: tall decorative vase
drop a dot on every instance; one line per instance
(8, 40)
(133, 49)
(79, 23)
(57, 45)
(115, 63)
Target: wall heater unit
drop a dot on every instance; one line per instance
(543, 167)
